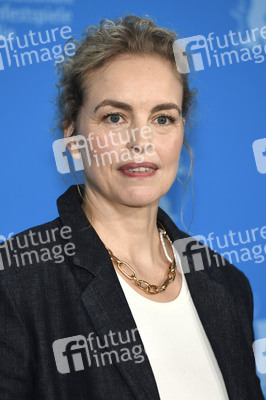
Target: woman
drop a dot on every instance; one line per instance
(95, 304)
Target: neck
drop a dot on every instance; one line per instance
(131, 233)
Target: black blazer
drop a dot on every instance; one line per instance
(49, 308)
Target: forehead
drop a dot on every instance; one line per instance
(135, 78)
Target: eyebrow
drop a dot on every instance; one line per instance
(127, 107)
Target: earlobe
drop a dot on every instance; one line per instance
(74, 150)
(67, 129)
(71, 144)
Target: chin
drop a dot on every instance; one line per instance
(142, 199)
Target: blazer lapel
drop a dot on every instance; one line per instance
(105, 295)
(211, 300)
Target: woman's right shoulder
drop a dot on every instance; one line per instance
(35, 249)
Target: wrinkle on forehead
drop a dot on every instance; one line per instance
(113, 81)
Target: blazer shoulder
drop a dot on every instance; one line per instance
(198, 257)
(32, 246)
(231, 278)
(212, 259)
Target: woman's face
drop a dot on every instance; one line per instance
(131, 115)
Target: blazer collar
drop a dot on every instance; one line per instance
(106, 304)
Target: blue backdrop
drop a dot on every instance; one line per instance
(228, 137)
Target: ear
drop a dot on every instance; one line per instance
(184, 121)
(72, 145)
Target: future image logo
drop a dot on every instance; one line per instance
(34, 246)
(60, 152)
(196, 256)
(197, 47)
(77, 353)
(35, 47)
(4, 46)
(220, 50)
(259, 150)
(71, 354)
(259, 348)
(102, 151)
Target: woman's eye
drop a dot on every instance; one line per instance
(113, 117)
(165, 119)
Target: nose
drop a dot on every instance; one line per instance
(139, 137)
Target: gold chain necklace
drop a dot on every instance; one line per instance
(142, 284)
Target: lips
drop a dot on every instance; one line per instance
(138, 165)
(127, 169)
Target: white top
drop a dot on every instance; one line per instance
(182, 360)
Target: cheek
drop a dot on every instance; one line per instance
(170, 149)
(100, 140)
(104, 148)
(101, 143)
